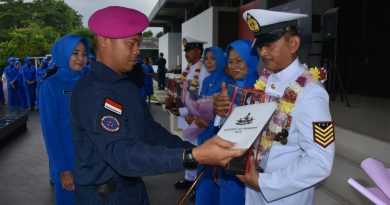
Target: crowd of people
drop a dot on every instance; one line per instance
(101, 137)
(24, 81)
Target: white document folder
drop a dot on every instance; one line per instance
(245, 123)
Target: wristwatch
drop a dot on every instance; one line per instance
(189, 162)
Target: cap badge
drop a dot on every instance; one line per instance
(253, 25)
(184, 41)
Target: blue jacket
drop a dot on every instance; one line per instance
(148, 69)
(11, 72)
(54, 106)
(18, 80)
(115, 134)
(40, 74)
(28, 72)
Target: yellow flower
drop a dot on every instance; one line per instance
(265, 142)
(259, 85)
(194, 82)
(315, 72)
(285, 106)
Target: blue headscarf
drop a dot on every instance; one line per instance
(26, 60)
(219, 56)
(45, 64)
(63, 49)
(212, 83)
(18, 62)
(251, 58)
(10, 60)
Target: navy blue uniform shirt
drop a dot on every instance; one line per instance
(114, 132)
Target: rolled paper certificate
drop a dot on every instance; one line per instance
(374, 194)
(378, 173)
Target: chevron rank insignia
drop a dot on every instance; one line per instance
(323, 133)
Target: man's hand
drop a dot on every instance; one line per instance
(201, 123)
(189, 118)
(216, 151)
(67, 180)
(175, 111)
(221, 101)
(13, 85)
(252, 177)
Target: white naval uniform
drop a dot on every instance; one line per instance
(293, 169)
(184, 110)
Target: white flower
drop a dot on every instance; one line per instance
(296, 87)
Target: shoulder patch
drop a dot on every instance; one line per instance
(323, 133)
(113, 106)
(110, 123)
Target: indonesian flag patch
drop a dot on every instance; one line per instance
(113, 106)
(323, 133)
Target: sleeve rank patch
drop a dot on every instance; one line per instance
(323, 133)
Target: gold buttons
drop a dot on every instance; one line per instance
(273, 86)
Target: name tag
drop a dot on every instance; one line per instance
(67, 92)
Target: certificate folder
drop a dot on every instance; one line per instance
(242, 127)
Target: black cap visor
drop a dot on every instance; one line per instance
(193, 45)
(265, 39)
(271, 33)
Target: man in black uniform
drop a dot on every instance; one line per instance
(161, 70)
(116, 139)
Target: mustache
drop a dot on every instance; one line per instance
(266, 58)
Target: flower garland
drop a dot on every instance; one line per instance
(194, 86)
(279, 125)
(185, 72)
(194, 83)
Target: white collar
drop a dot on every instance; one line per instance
(278, 82)
(289, 72)
(199, 61)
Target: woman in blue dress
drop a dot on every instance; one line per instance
(21, 100)
(40, 74)
(242, 67)
(148, 80)
(29, 82)
(70, 54)
(207, 191)
(11, 73)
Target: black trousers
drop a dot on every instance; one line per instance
(133, 195)
(161, 80)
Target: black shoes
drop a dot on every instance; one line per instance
(183, 184)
